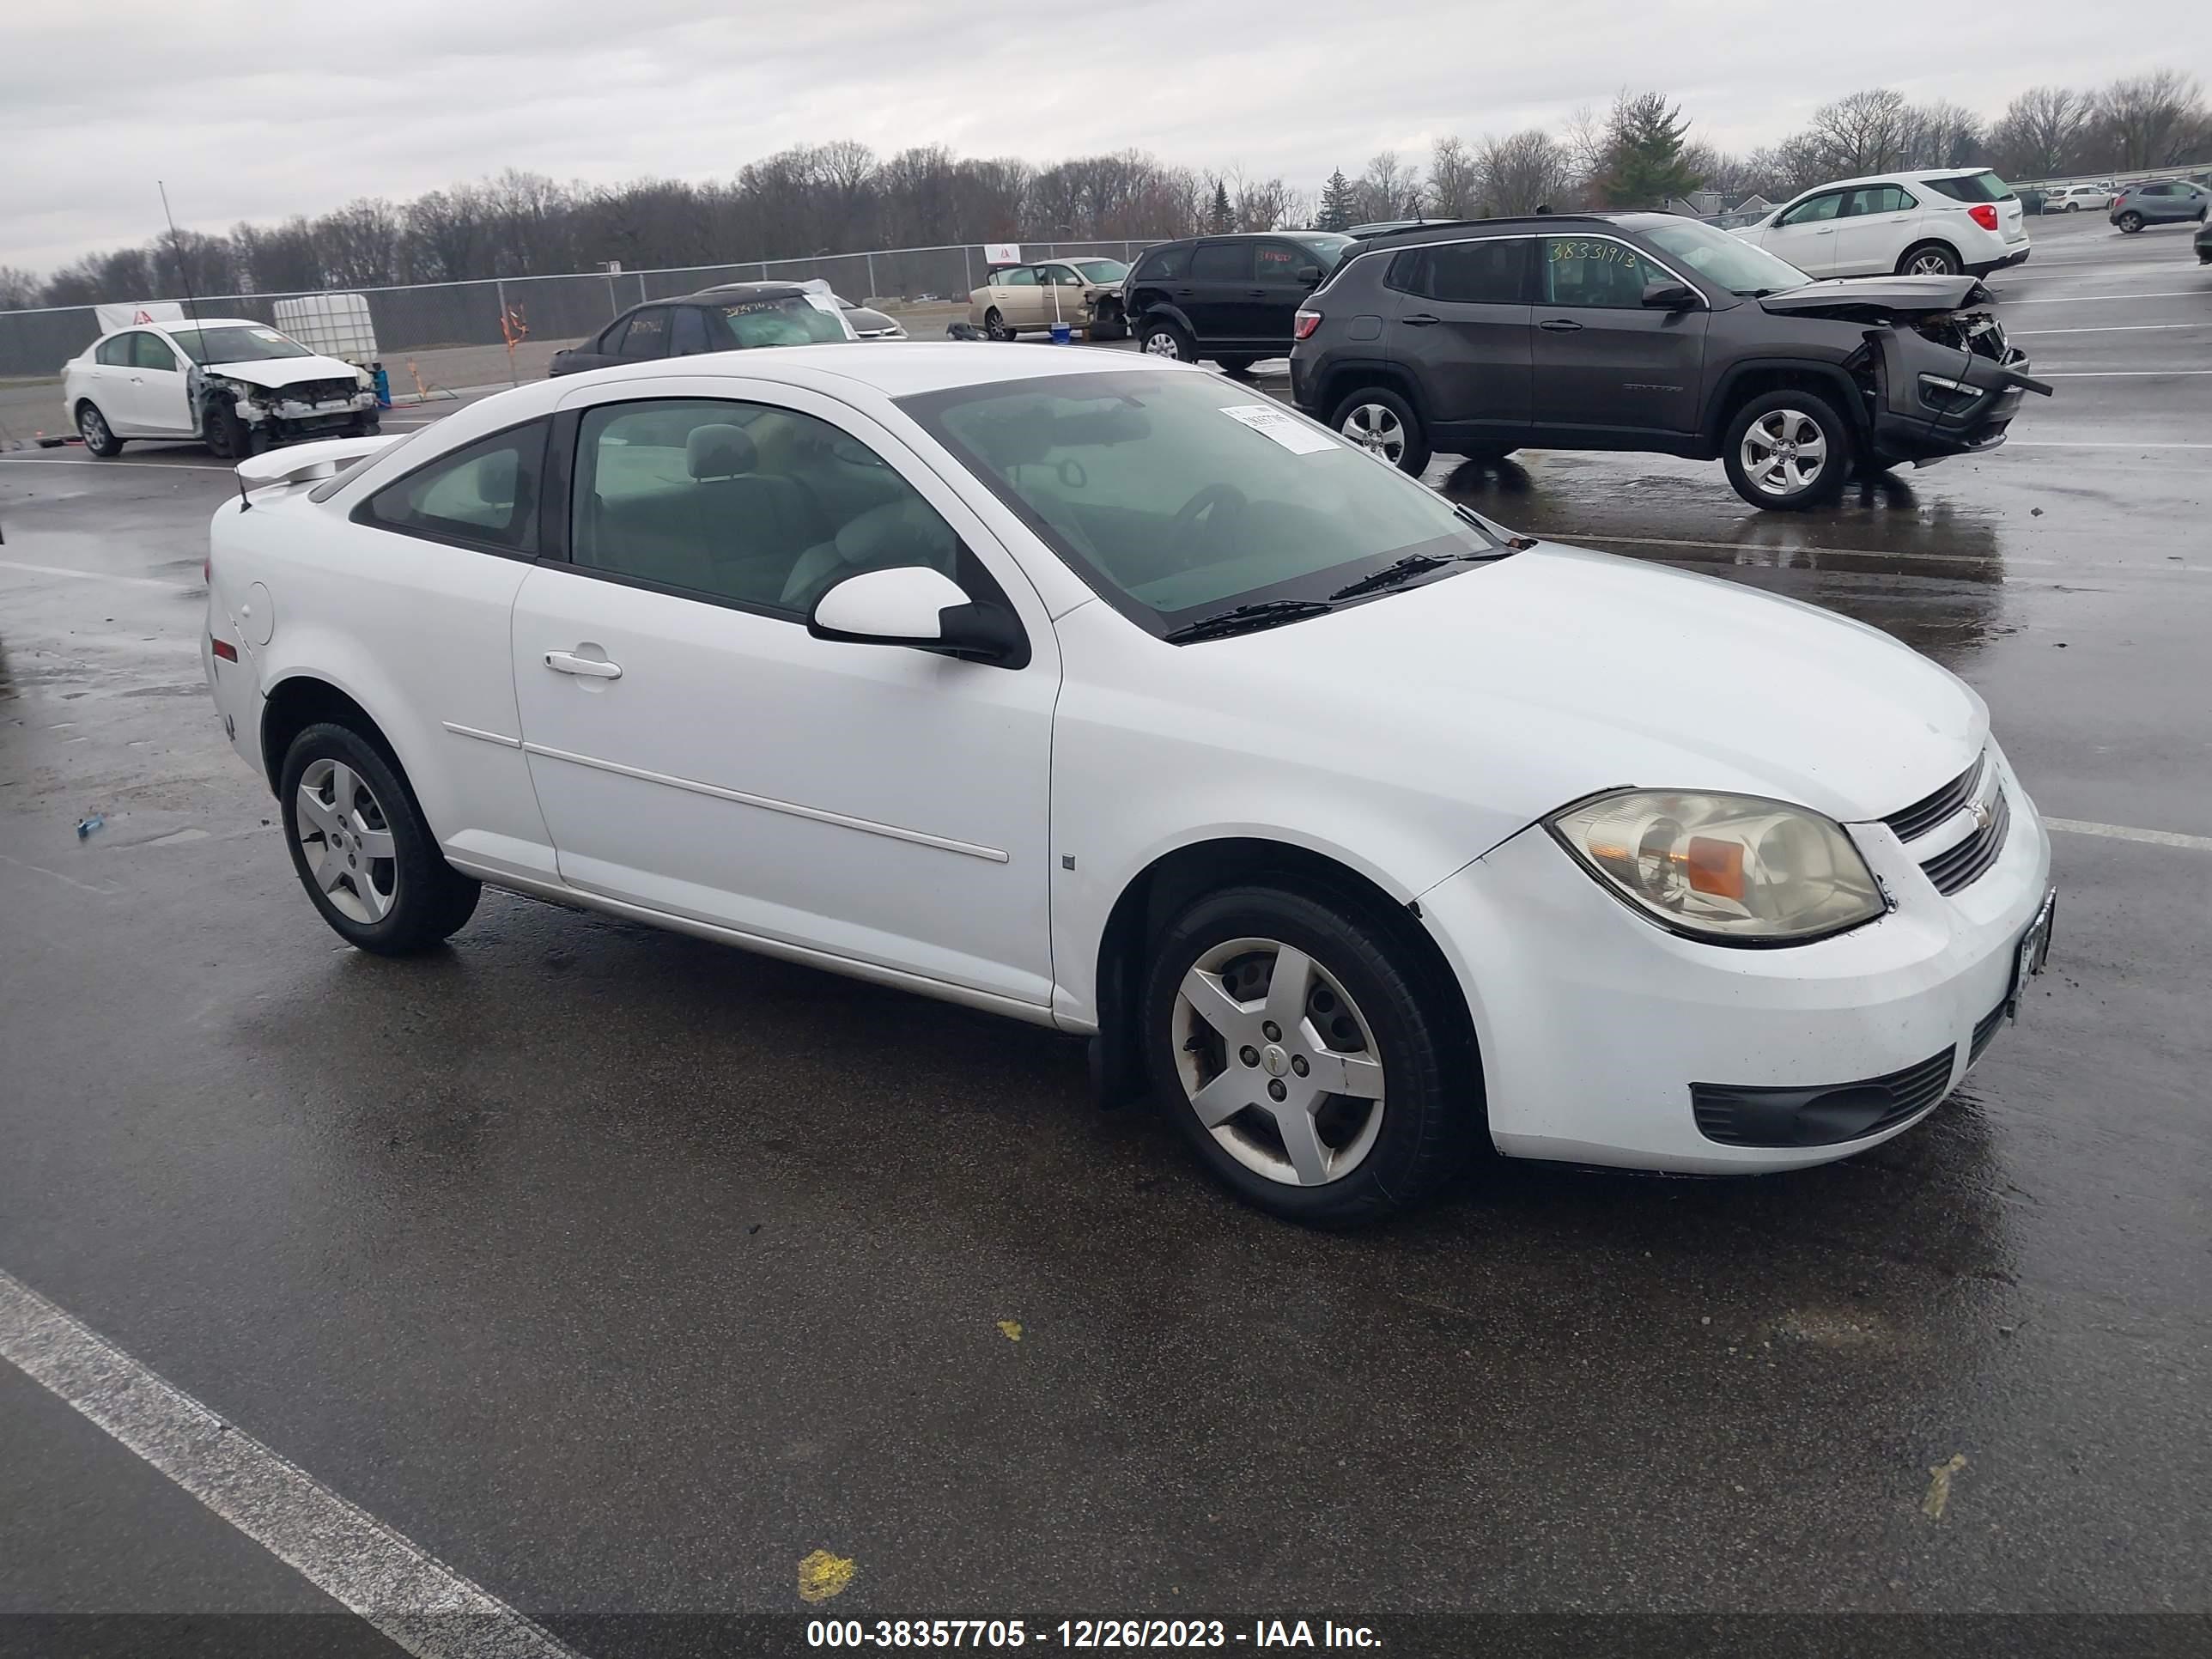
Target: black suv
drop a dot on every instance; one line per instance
(732, 318)
(1230, 298)
(1647, 332)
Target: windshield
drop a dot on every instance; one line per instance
(792, 319)
(1100, 270)
(1728, 261)
(235, 343)
(1984, 186)
(1176, 495)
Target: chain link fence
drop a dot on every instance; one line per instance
(426, 316)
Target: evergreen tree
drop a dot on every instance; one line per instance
(1336, 205)
(1645, 160)
(1223, 217)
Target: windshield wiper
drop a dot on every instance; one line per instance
(1413, 565)
(1247, 618)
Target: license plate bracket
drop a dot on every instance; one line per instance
(2032, 951)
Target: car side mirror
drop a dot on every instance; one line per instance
(919, 607)
(1669, 297)
(1309, 274)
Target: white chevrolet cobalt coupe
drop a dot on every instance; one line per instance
(1107, 693)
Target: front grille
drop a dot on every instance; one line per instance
(1821, 1115)
(1966, 863)
(1918, 819)
(1985, 1029)
(318, 392)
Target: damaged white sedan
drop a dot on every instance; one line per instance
(236, 385)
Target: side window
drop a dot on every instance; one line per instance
(766, 508)
(151, 351)
(1814, 210)
(1164, 264)
(1222, 262)
(1492, 273)
(689, 335)
(1019, 276)
(1592, 270)
(116, 352)
(1061, 276)
(1279, 261)
(645, 336)
(486, 493)
(1875, 198)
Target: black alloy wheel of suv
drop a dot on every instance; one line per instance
(1648, 332)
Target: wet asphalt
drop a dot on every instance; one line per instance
(622, 1271)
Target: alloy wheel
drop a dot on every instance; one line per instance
(1784, 451)
(1278, 1062)
(1931, 263)
(91, 427)
(347, 838)
(1376, 427)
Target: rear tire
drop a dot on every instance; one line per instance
(1277, 1138)
(994, 324)
(362, 849)
(1157, 337)
(1383, 423)
(1771, 442)
(1929, 259)
(2130, 224)
(98, 437)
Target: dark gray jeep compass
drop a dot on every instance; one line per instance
(1643, 330)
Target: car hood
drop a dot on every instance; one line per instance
(279, 371)
(1900, 296)
(1523, 685)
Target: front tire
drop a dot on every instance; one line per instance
(1350, 1111)
(1789, 450)
(2130, 224)
(1384, 425)
(362, 849)
(1158, 337)
(98, 437)
(994, 324)
(1929, 259)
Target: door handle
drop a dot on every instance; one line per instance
(1255, 293)
(1561, 325)
(566, 662)
(1420, 320)
(1826, 230)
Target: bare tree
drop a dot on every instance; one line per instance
(1584, 138)
(1866, 132)
(2042, 132)
(2153, 120)
(20, 290)
(1454, 180)
(1523, 172)
(1386, 189)
(1945, 136)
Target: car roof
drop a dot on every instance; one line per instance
(770, 290)
(1455, 230)
(200, 322)
(1920, 175)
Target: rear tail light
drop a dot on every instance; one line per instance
(1304, 323)
(1983, 215)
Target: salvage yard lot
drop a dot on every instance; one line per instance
(621, 1272)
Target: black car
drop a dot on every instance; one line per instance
(1232, 298)
(1648, 332)
(2204, 243)
(741, 316)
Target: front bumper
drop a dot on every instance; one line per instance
(1595, 1024)
(1918, 412)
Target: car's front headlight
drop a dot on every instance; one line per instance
(1735, 868)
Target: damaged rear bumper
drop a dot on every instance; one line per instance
(1931, 400)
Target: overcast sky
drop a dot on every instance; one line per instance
(258, 111)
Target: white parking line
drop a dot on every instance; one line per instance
(2058, 443)
(2090, 298)
(92, 460)
(2122, 832)
(91, 576)
(2104, 328)
(2113, 374)
(2008, 560)
(422, 1605)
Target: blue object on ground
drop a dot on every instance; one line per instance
(85, 826)
(1062, 334)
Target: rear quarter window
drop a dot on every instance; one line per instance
(1974, 187)
(1163, 264)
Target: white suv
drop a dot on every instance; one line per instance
(2072, 198)
(1920, 224)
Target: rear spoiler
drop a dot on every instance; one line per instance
(300, 463)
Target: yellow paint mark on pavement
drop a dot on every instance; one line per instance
(1011, 1329)
(823, 1575)
(1939, 1488)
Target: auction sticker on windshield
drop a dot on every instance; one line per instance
(1271, 421)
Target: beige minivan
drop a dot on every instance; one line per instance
(1084, 294)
